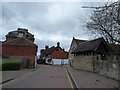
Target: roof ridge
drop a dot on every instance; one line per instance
(92, 40)
(80, 39)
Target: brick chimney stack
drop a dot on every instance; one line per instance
(58, 44)
(46, 47)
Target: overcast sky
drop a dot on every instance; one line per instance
(49, 22)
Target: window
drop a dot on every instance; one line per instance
(20, 35)
(56, 49)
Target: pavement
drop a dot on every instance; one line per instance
(86, 79)
(11, 75)
(45, 76)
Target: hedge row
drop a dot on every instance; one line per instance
(11, 66)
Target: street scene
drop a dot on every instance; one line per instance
(60, 45)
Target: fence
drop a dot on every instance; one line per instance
(60, 61)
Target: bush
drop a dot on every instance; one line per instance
(11, 66)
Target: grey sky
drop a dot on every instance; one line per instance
(50, 22)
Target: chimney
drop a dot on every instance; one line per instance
(22, 29)
(58, 44)
(46, 47)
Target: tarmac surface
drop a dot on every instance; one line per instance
(45, 76)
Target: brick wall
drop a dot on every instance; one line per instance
(19, 51)
(15, 52)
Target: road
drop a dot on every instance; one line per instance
(45, 76)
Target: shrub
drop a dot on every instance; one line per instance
(11, 66)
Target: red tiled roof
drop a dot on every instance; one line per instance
(19, 42)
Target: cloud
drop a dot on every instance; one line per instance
(49, 22)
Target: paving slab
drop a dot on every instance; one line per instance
(86, 79)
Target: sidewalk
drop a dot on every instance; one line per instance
(85, 79)
(10, 75)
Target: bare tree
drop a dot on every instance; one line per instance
(105, 21)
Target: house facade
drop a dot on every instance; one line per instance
(53, 53)
(19, 44)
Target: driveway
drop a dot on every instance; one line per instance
(46, 76)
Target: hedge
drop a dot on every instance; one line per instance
(11, 66)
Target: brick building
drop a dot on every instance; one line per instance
(19, 44)
(53, 53)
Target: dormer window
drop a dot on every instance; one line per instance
(20, 35)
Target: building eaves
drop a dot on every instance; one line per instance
(88, 46)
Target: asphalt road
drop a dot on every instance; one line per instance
(45, 76)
